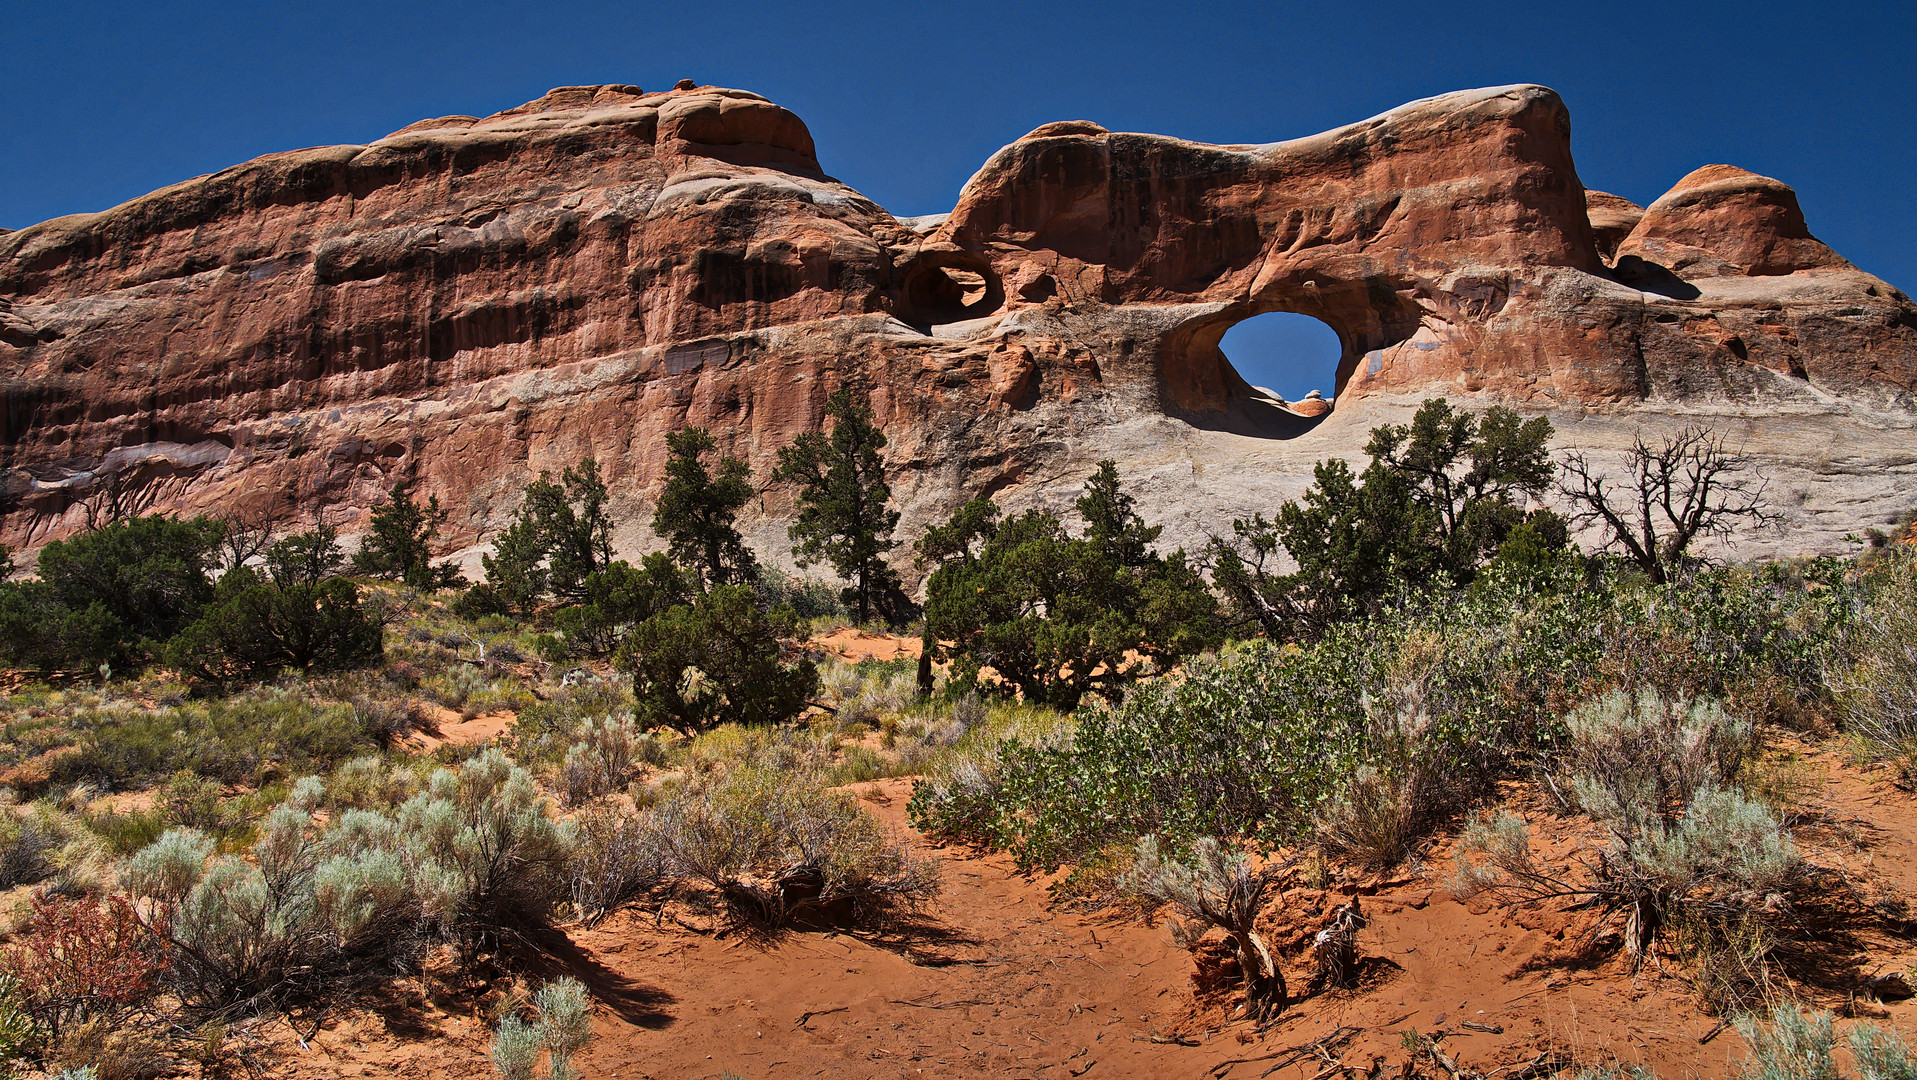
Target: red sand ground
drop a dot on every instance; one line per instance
(998, 982)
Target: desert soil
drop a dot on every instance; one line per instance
(996, 980)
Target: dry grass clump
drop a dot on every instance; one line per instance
(618, 857)
(1873, 669)
(1404, 785)
(607, 756)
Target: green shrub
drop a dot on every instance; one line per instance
(1058, 616)
(151, 572)
(398, 543)
(109, 595)
(614, 600)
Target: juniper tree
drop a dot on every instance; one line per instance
(843, 519)
(1469, 471)
(399, 543)
(573, 526)
(305, 558)
(697, 508)
(1054, 615)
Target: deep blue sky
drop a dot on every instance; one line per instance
(105, 101)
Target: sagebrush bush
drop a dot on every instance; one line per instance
(1405, 784)
(330, 907)
(606, 757)
(779, 847)
(543, 731)
(562, 1029)
(1683, 847)
(29, 849)
(1787, 1045)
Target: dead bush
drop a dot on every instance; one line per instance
(1216, 887)
(781, 849)
(81, 961)
(618, 858)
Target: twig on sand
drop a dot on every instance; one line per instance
(806, 1018)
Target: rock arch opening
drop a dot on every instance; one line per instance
(1310, 357)
(1289, 358)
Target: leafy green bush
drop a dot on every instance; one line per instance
(613, 601)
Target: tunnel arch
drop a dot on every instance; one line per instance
(1196, 380)
(1291, 357)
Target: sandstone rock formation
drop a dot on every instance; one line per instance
(468, 301)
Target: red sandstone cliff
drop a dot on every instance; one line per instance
(468, 301)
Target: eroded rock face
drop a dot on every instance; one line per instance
(469, 301)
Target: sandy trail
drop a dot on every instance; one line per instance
(995, 982)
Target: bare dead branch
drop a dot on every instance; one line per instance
(1685, 486)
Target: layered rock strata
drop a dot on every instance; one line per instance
(468, 301)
